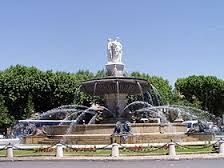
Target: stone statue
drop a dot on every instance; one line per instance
(114, 51)
(122, 128)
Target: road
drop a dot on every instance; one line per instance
(219, 163)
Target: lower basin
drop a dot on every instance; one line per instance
(103, 134)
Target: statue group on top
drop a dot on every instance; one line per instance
(114, 51)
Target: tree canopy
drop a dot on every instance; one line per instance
(5, 119)
(208, 90)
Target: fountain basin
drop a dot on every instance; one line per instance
(109, 85)
(11, 141)
(109, 128)
(106, 139)
(103, 134)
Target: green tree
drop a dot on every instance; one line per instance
(29, 109)
(5, 118)
(179, 99)
(100, 74)
(208, 90)
(48, 89)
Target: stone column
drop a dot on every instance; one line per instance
(9, 151)
(221, 147)
(59, 150)
(116, 102)
(115, 150)
(171, 149)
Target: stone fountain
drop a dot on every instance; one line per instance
(116, 120)
(117, 86)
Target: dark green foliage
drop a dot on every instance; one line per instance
(27, 89)
(179, 99)
(101, 74)
(5, 119)
(208, 90)
(29, 109)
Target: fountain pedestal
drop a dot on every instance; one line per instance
(115, 69)
(116, 102)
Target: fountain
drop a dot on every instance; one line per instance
(116, 120)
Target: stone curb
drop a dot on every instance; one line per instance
(121, 158)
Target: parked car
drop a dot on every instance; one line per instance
(191, 124)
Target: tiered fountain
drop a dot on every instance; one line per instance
(116, 120)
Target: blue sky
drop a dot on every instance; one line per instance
(171, 39)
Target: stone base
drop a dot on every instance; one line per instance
(136, 128)
(103, 134)
(115, 69)
(96, 139)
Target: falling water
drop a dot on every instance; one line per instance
(94, 91)
(62, 109)
(140, 89)
(150, 100)
(171, 129)
(69, 117)
(142, 103)
(73, 124)
(68, 131)
(157, 95)
(93, 119)
(118, 97)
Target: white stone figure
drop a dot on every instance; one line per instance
(114, 51)
(109, 50)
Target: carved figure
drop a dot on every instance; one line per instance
(114, 51)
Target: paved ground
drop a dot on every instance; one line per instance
(218, 163)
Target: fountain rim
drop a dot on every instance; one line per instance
(114, 78)
(88, 86)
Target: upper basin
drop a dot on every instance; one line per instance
(111, 85)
